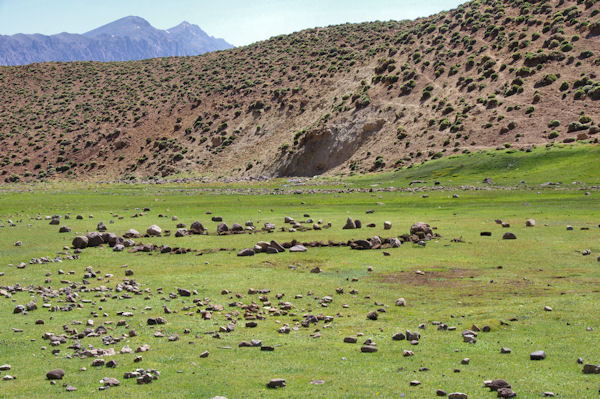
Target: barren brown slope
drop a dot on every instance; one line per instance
(328, 100)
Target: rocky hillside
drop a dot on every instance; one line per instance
(129, 38)
(341, 99)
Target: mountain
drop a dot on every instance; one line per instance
(352, 98)
(129, 38)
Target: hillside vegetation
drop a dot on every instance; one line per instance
(335, 100)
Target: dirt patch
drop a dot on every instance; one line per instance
(446, 278)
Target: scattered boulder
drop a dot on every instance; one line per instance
(349, 224)
(94, 239)
(395, 243)
(387, 225)
(538, 355)
(154, 231)
(298, 248)
(421, 229)
(591, 369)
(132, 233)
(156, 320)
(398, 336)
(506, 393)
(373, 315)
(497, 384)
(197, 228)
(110, 382)
(56, 374)
(246, 252)
(222, 228)
(368, 349)
(276, 383)
(509, 236)
(237, 228)
(458, 395)
(530, 223)
(80, 242)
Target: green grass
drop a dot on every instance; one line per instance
(543, 266)
(557, 163)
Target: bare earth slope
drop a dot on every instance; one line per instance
(345, 98)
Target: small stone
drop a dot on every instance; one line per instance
(547, 308)
(440, 392)
(204, 354)
(400, 302)
(458, 395)
(69, 388)
(465, 361)
(505, 350)
(415, 383)
(509, 236)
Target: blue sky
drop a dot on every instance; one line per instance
(239, 22)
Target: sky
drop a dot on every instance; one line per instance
(240, 22)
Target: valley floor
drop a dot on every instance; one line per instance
(460, 279)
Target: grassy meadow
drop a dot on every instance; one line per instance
(466, 280)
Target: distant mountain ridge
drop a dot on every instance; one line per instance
(127, 39)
